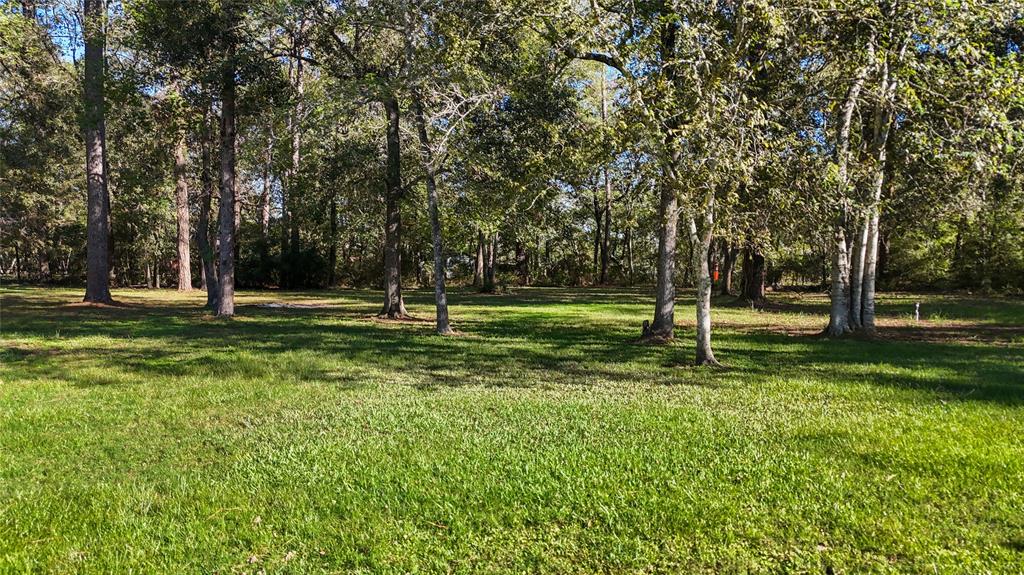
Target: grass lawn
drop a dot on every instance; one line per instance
(156, 438)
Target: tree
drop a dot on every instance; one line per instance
(97, 288)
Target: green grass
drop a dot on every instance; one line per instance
(155, 438)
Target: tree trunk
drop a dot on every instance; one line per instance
(296, 133)
(97, 288)
(181, 205)
(665, 290)
(265, 191)
(28, 9)
(394, 305)
(209, 271)
(332, 261)
(597, 238)
(754, 272)
(522, 264)
(426, 155)
(629, 254)
(701, 244)
(490, 262)
(603, 279)
(857, 278)
(478, 265)
(729, 254)
(882, 124)
(226, 277)
(839, 313)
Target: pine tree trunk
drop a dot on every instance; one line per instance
(426, 155)
(478, 265)
(97, 288)
(265, 188)
(226, 274)
(332, 261)
(296, 133)
(394, 305)
(665, 291)
(209, 271)
(181, 208)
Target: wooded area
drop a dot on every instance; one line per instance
(856, 146)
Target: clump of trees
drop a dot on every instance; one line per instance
(731, 146)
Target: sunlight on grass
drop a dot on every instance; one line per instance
(153, 437)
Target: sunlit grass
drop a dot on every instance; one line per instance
(157, 438)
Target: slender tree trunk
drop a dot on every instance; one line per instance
(97, 288)
(226, 277)
(728, 265)
(265, 191)
(296, 133)
(857, 278)
(701, 243)
(394, 305)
(236, 192)
(597, 238)
(478, 265)
(665, 294)
(839, 314)
(209, 271)
(181, 205)
(332, 262)
(490, 262)
(426, 155)
(883, 122)
(629, 255)
(607, 191)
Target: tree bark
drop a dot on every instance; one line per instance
(882, 125)
(332, 261)
(226, 278)
(665, 291)
(265, 191)
(426, 155)
(701, 242)
(394, 305)
(478, 265)
(296, 134)
(857, 278)
(839, 313)
(209, 271)
(181, 208)
(490, 262)
(729, 254)
(97, 288)
(754, 272)
(605, 240)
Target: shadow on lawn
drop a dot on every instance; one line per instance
(557, 345)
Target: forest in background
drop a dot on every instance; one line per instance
(731, 145)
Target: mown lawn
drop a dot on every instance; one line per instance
(156, 438)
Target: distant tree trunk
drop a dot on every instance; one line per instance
(478, 265)
(607, 194)
(265, 191)
(226, 277)
(28, 9)
(729, 254)
(598, 224)
(665, 290)
(97, 288)
(181, 205)
(426, 155)
(629, 254)
(209, 270)
(490, 262)
(857, 278)
(754, 272)
(237, 195)
(394, 305)
(332, 261)
(296, 133)
(839, 313)
(522, 264)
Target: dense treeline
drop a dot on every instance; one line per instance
(729, 145)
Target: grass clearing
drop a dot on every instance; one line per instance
(156, 438)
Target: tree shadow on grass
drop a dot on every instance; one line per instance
(551, 342)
